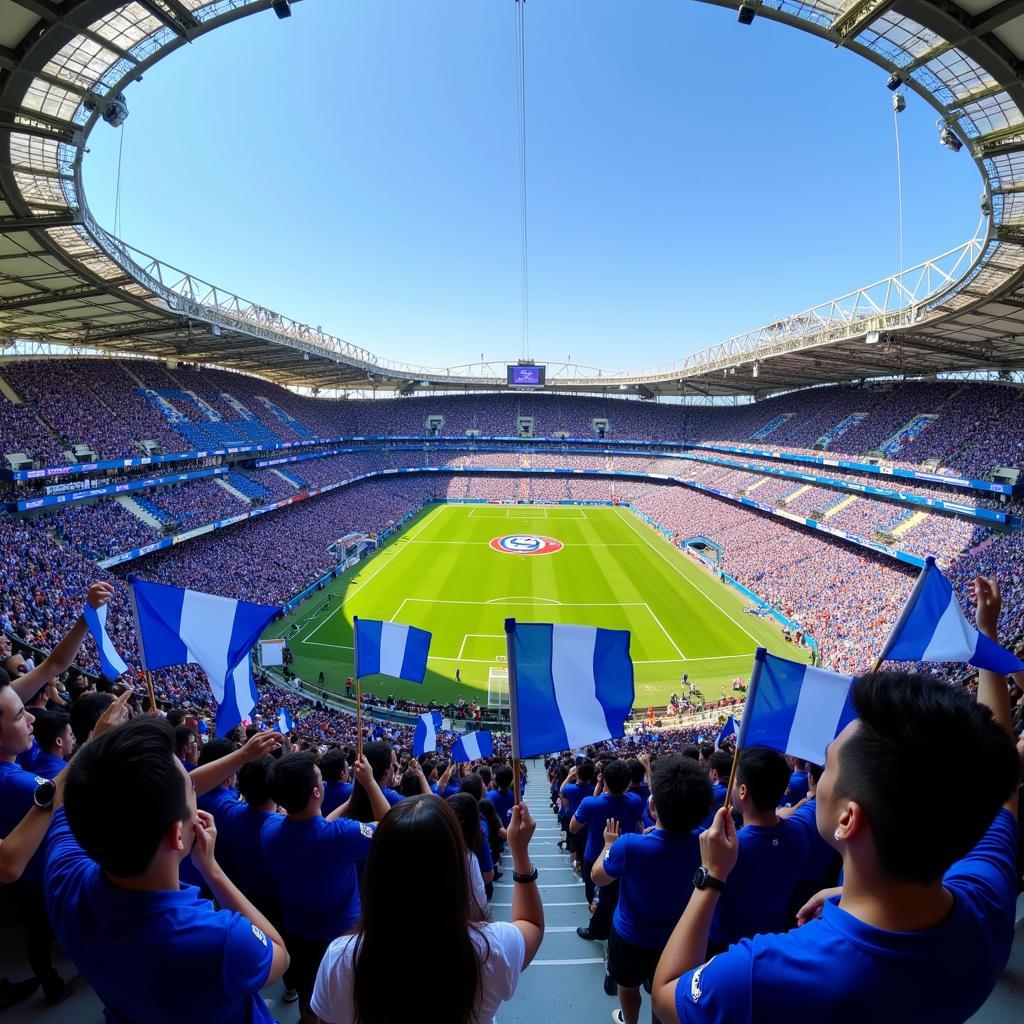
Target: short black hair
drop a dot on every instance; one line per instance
(503, 777)
(585, 771)
(378, 754)
(924, 810)
(682, 793)
(617, 776)
(183, 735)
(721, 761)
(706, 750)
(636, 771)
(48, 725)
(254, 781)
(216, 749)
(692, 751)
(472, 784)
(86, 712)
(292, 781)
(333, 764)
(765, 773)
(175, 716)
(124, 790)
(815, 771)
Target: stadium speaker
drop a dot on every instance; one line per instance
(282, 8)
(894, 82)
(746, 13)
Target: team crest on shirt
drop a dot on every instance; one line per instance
(526, 544)
(259, 935)
(695, 989)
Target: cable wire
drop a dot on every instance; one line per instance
(519, 7)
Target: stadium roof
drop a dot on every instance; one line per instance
(65, 280)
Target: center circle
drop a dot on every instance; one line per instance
(526, 544)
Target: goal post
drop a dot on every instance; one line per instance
(497, 686)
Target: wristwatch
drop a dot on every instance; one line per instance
(524, 879)
(703, 879)
(44, 794)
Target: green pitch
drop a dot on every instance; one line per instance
(442, 574)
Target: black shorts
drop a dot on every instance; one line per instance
(631, 966)
(306, 955)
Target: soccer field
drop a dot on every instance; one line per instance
(450, 572)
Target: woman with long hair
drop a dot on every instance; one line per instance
(467, 810)
(416, 876)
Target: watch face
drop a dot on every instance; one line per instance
(700, 877)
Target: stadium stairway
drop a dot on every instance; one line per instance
(139, 512)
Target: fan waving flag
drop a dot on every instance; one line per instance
(568, 686)
(186, 627)
(933, 627)
(111, 662)
(472, 746)
(424, 740)
(284, 722)
(729, 729)
(794, 708)
(390, 649)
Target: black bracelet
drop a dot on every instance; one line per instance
(531, 877)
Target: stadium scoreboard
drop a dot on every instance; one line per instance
(521, 376)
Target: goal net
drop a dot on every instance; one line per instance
(497, 687)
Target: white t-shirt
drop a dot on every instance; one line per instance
(477, 889)
(499, 973)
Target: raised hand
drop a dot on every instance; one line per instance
(99, 594)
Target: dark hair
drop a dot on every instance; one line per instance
(254, 781)
(216, 749)
(292, 781)
(904, 765)
(474, 785)
(682, 793)
(175, 716)
(691, 751)
(706, 750)
(467, 810)
(379, 755)
(585, 772)
(183, 736)
(419, 842)
(721, 761)
(410, 784)
(333, 765)
(503, 777)
(636, 772)
(484, 772)
(48, 725)
(765, 773)
(86, 712)
(124, 790)
(617, 776)
(815, 771)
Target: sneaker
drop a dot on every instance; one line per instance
(290, 995)
(617, 1017)
(14, 992)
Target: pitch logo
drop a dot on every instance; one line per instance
(526, 544)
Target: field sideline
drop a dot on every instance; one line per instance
(441, 573)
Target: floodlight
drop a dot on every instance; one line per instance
(282, 8)
(948, 138)
(899, 103)
(894, 82)
(746, 13)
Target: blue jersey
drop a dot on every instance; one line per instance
(819, 854)
(756, 900)
(655, 873)
(40, 762)
(594, 812)
(573, 795)
(239, 827)
(313, 862)
(503, 801)
(840, 970)
(717, 799)
(17, 798)
(335, 794)
(130, 945)
(796, 790)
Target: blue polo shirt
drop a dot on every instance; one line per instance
(819, 854)
(841, 970)
(574, 794)
(796, 790)
(718, 792)
(41, 762)
(392, 796)
(756, 900)
(17, 798)
(656, 878)
(238, 836)
(504, 801)
(313, 862)
(130, 945)
(335, 794)
(594, 812)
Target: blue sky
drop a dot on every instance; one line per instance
(355, 166)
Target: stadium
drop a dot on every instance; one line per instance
(786, 491)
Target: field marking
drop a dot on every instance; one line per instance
(675, 646)
(628, 518)
(398, 549)
(522, 600)
(484, 636)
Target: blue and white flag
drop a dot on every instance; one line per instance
(933, 627)
(284, 722)
(391, 649)
(472, 746)
(186, 627)
(729, 729)
(111, 662)
(569, 686)
(794, 708)
(424, 740)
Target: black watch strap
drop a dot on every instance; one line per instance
(703, 879)
(523, 879)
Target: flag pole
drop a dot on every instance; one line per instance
(929, 564)
(741, 734)
(513, 710)
(359, 687)
(147, 675)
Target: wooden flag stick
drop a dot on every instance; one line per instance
(359, 717)
(741, 734)
(152, 693)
